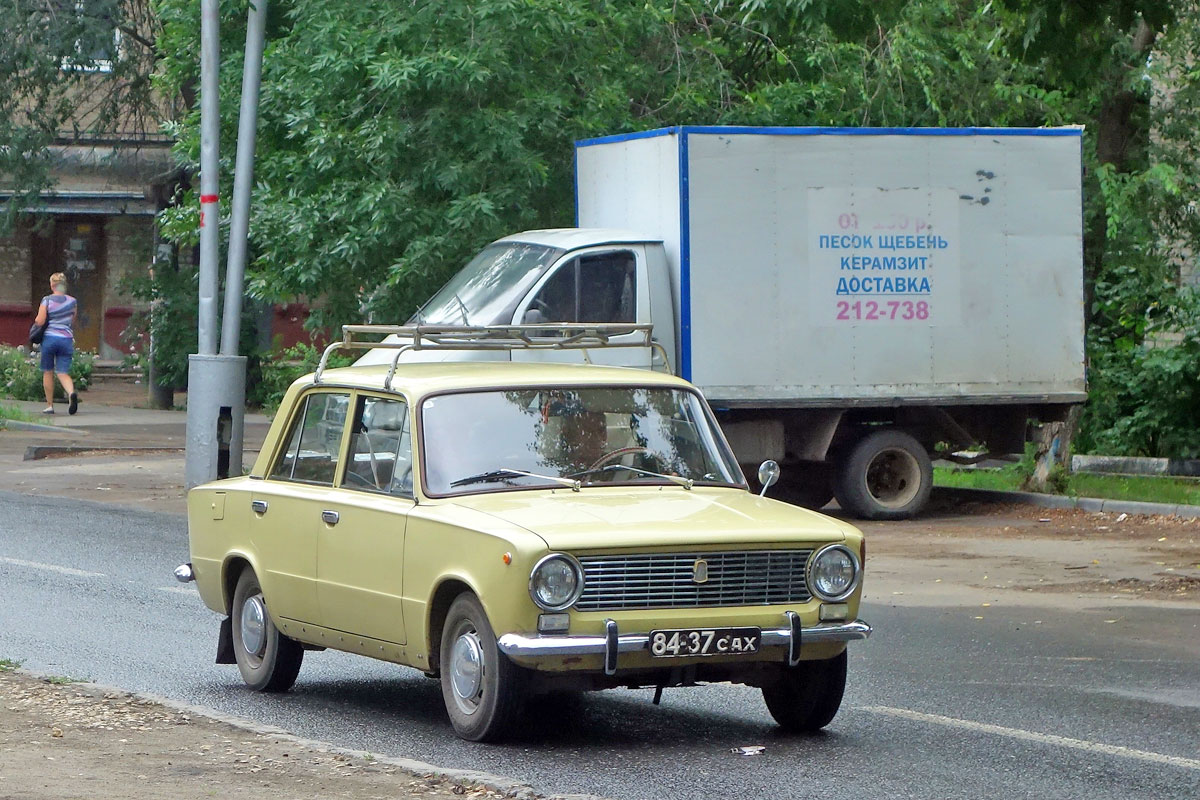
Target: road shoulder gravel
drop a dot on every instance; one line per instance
(62, 739)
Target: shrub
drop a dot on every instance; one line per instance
(21, 377)
(282, 367)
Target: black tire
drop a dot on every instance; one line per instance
(482, 705)
(806, 698)
(885, 475)
(268, 660)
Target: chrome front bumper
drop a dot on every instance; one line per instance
(793, 637)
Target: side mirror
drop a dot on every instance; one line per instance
(533, 316)
(768, 475)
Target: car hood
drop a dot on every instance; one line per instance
(670, 516)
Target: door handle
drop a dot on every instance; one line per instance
(330, 517)
(258, 506)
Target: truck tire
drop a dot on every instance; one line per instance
(886, 475)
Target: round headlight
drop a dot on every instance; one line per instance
(834, 573)
(556, 582)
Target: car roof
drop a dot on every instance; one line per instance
(572, 238)
(419, 379)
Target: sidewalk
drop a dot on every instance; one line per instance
(120, 451)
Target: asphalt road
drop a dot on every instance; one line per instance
(1032, 702)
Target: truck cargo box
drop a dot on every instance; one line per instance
(859, 266)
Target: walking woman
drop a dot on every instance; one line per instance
(58, 345)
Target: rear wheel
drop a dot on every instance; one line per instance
(806, 698)
(480, 686)
(886, 475)
(268, 660)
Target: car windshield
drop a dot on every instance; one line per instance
(551, 437)
(486, 291)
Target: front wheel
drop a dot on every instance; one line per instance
(268, 660)
(886, 475)
(480, 686)
(806, 698)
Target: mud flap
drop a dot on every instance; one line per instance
(225, 642)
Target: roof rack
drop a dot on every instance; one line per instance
(563, 336)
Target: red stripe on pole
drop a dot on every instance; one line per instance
(208, 198)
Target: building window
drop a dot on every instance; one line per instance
(89, 27)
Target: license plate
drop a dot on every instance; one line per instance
(704, 642)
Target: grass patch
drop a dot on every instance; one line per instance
(1143, 488)
(8, 665)
(63, 680)
(9, 412)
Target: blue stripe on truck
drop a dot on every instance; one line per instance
(685, 264)
(822, 131)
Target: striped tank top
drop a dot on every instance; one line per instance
(61, 314)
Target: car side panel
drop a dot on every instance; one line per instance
(284, 539)
(446, 542)
(360, 560)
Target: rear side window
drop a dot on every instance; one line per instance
(315, 440)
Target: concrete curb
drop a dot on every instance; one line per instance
(464, 777)
(18, 425)
(1131, 465)
(36, 451)
(1094, 504)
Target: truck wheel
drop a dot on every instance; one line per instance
(268, 660)
(480, 686)
(886, 475)
(806, 698)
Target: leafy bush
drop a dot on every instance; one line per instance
(283, 367)
(21, 376)
(1144, 396)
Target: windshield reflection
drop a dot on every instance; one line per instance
(486, 291)
(487, 441)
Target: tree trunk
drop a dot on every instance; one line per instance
(1052, 458)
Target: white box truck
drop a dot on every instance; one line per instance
(849, 300)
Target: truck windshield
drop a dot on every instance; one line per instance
(534, 438)
(486, 291)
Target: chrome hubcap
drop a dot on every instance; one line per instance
(254, 625)
(466, 671)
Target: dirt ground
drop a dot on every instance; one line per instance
(1018, 555)
(75, 741)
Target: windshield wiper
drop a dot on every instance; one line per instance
(462, 308)
(498, 475)
(684, 482)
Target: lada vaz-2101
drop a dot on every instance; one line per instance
(513, 529)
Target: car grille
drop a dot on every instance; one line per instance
(665, 580)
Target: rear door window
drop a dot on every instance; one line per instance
(315, 441)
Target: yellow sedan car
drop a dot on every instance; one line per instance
(512, 529)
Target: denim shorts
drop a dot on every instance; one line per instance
(56, 353)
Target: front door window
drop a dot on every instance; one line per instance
(592, 288)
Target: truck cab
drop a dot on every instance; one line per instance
(567, 275)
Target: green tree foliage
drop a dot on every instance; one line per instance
(397, 138)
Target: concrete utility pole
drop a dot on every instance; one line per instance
(217, 383)
(243, 178)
